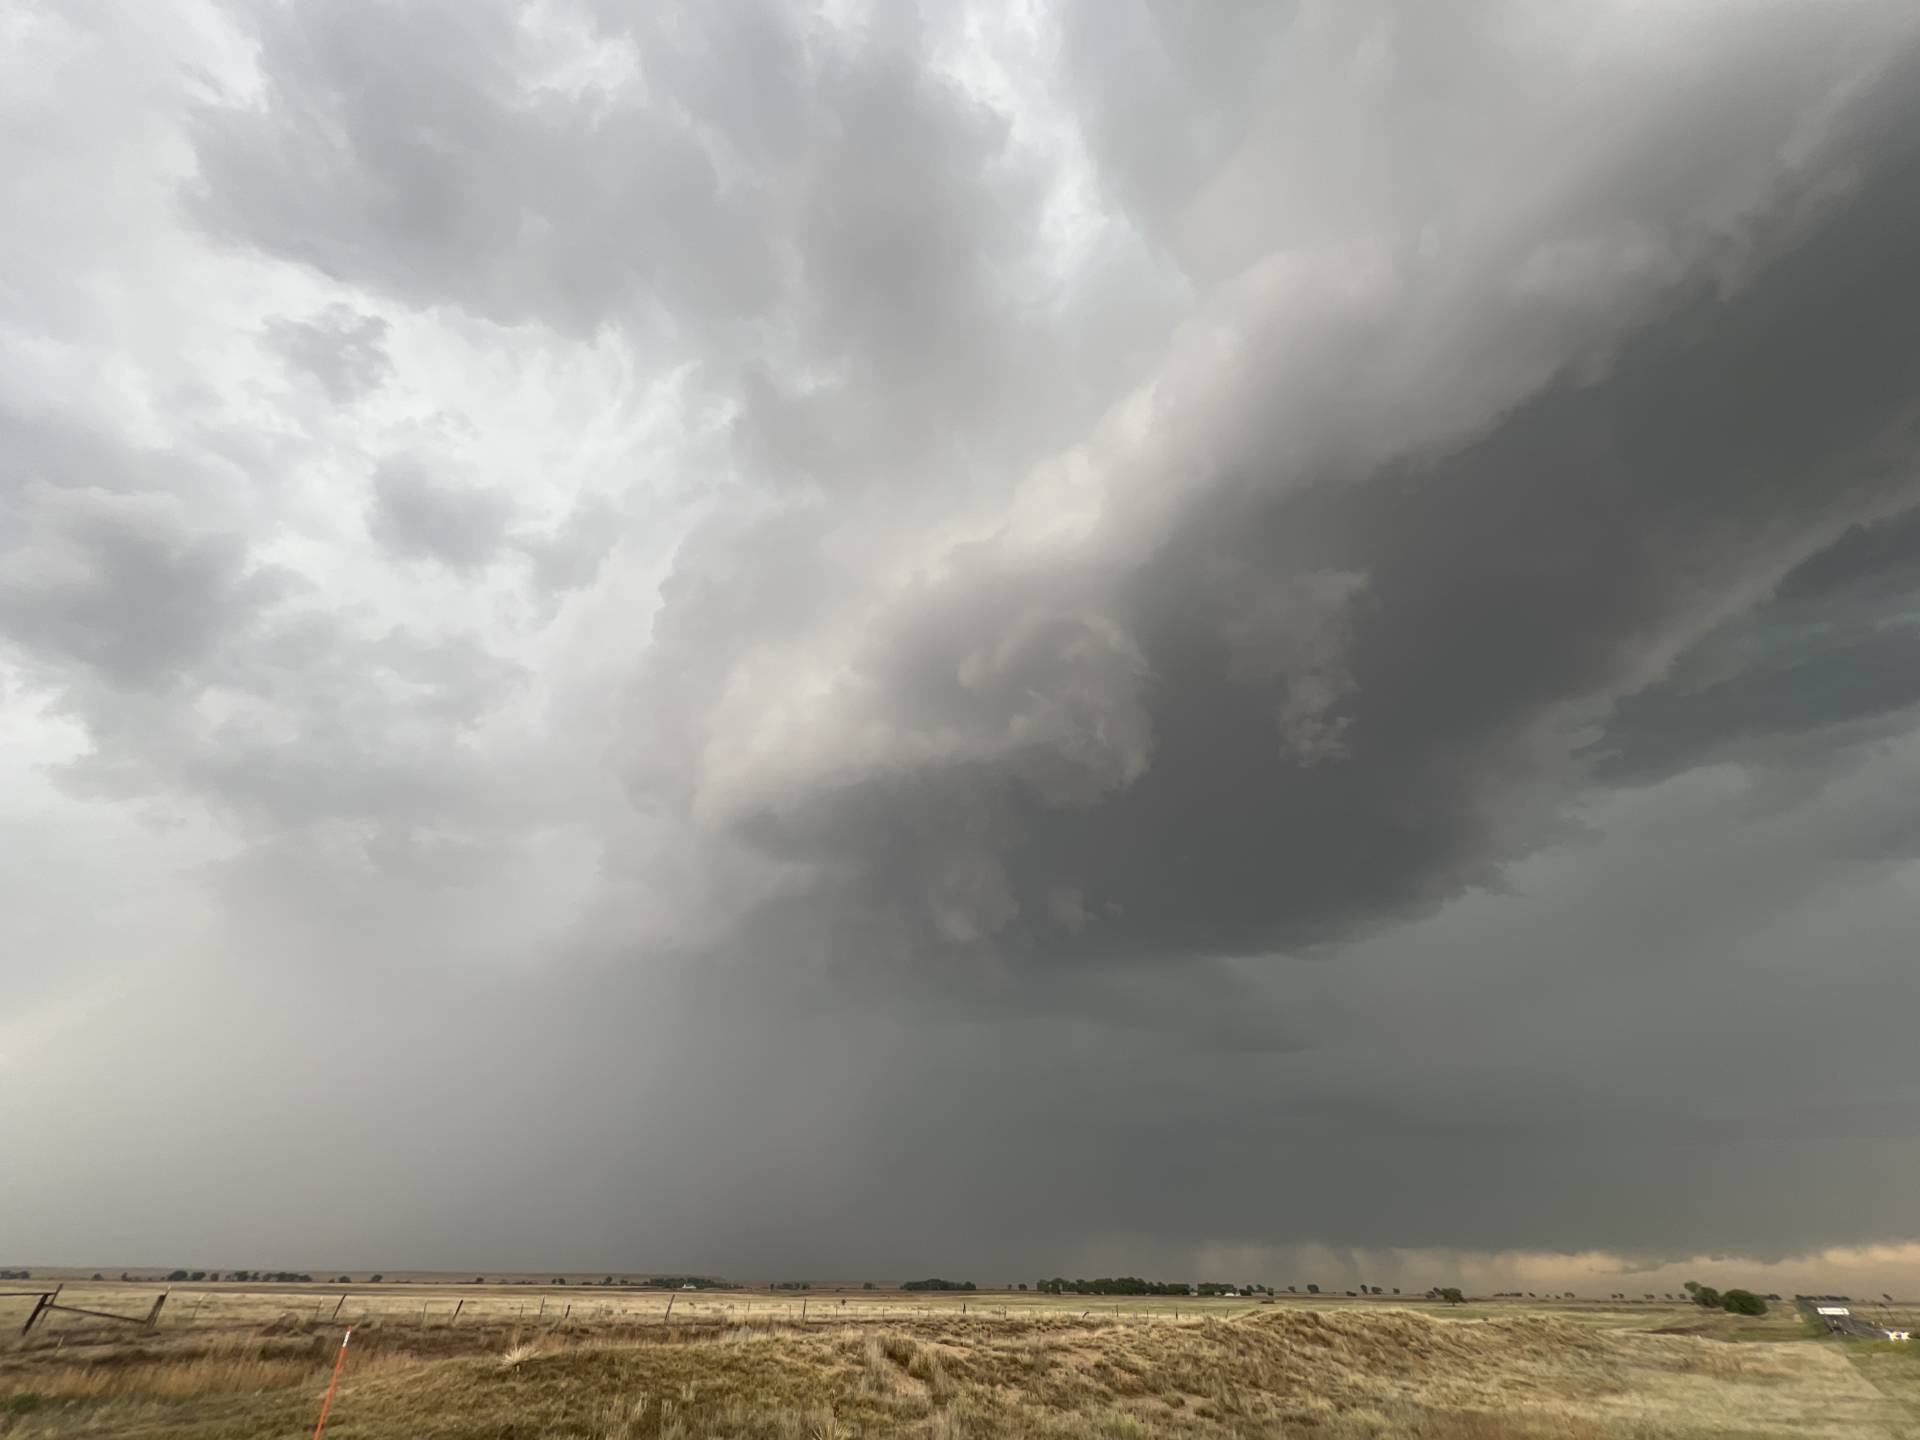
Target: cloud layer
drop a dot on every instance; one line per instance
(851, 639)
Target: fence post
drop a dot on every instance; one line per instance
(327, 1404)
(456, 1312)
(46, 1299)
(153, 1315)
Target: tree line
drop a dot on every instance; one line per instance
(1734, 1302)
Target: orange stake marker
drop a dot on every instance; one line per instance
(327, 1403)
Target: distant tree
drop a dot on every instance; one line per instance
(96, 1274)
(868, 1285)
(1290, 1290)
(176, 1275)
(1449, 1293)
(1396, 1289)
(1313, 1289)
(1705, 1296)
(1743, 1302)
(377, 1278)
(343, 1280)
(1023, 1285)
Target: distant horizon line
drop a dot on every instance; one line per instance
(332, 1275)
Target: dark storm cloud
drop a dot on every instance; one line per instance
(1832, 660)
(1188, 631)
(1323, 700)
(1518, 585)
(1318, 703)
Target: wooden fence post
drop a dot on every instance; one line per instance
(46, 1299)
(153, 1315)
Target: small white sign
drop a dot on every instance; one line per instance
(1832, 1310)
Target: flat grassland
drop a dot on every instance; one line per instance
(519, 1362)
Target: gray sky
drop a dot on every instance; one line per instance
(1005, 640)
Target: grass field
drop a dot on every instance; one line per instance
(239, 1363)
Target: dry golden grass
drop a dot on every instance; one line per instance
(1338, 1374)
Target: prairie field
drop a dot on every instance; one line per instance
(519, 1362)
